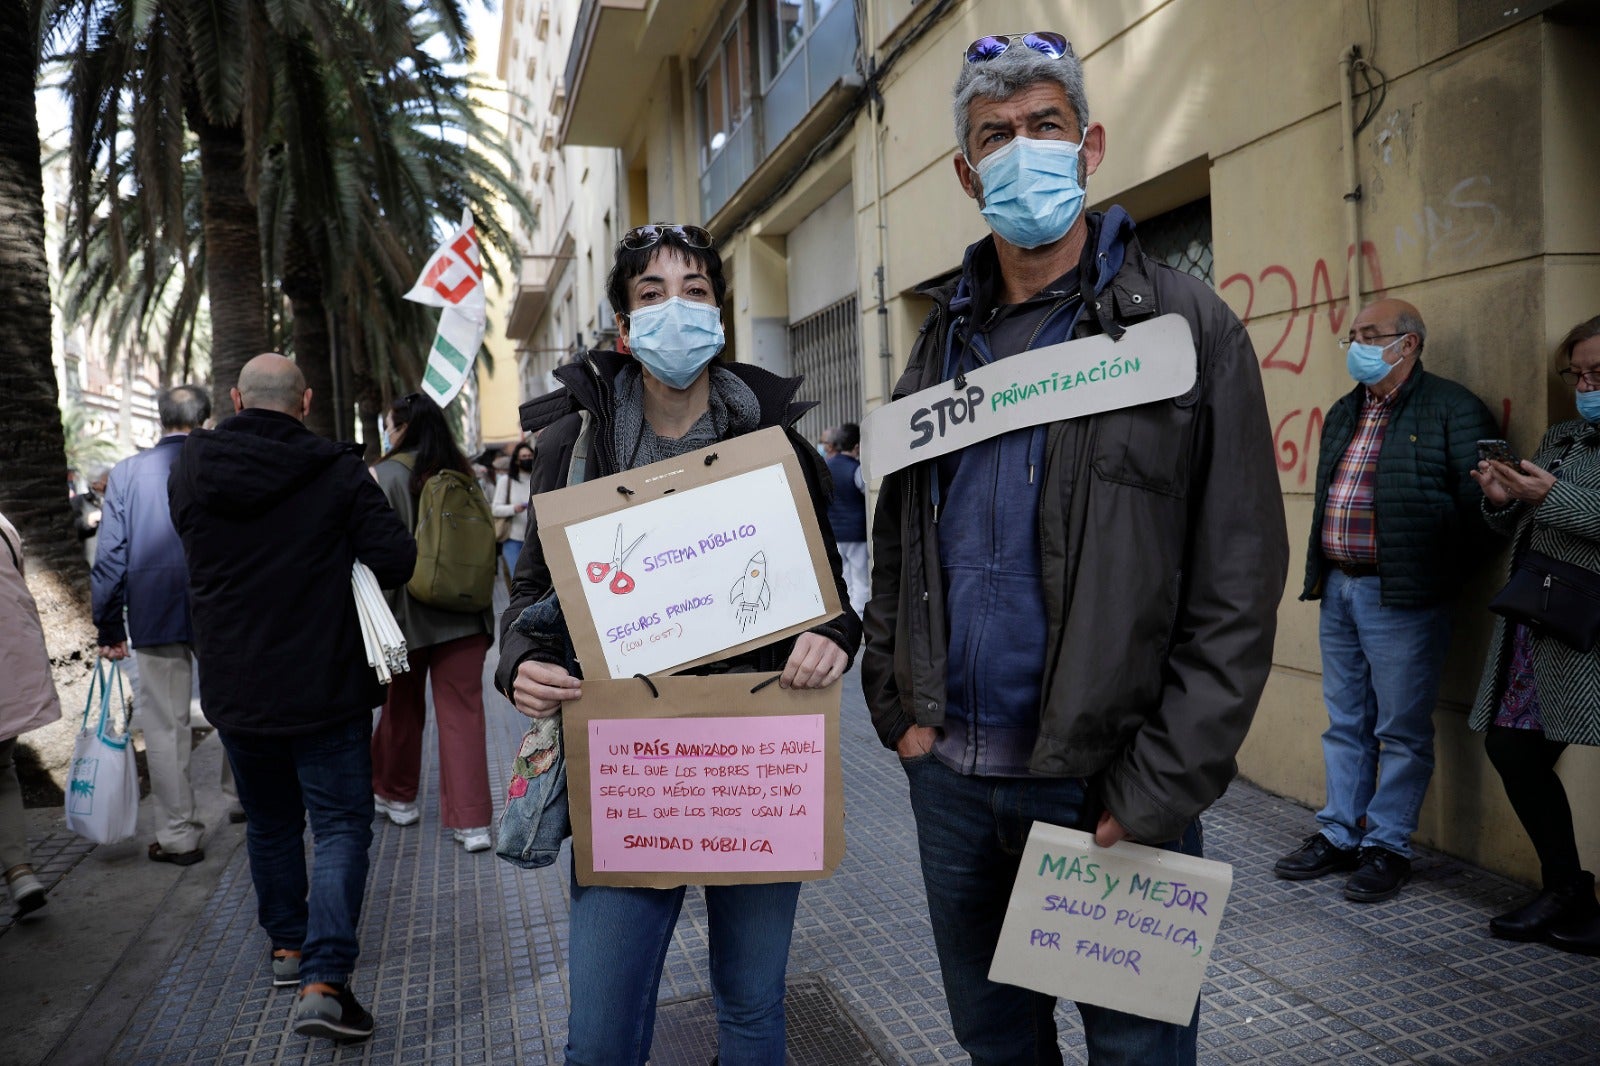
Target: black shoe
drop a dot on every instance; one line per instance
(1580, 935)
(331, 1011)
(1317, 856)
(1551, 908)
(177, 858)
(1381, 876)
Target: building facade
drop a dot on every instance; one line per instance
(556, 306)
(814, 138)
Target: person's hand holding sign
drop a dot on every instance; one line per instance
(541, 688)
(816, 662)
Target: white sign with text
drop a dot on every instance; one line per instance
(693, 573)
(1154, 360)
(1127, 927)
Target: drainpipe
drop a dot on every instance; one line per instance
(885, 354)
(1352, 179)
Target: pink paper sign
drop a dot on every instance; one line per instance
(707, 794)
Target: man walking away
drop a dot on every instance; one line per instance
(847, 512)
(139, 567)
(272, 517)
(1395, 529)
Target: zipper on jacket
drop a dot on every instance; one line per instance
(1547, 580)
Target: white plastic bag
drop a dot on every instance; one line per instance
(103, 789)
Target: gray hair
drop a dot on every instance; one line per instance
(183, 407)
(1009, 73)
(1410, 322)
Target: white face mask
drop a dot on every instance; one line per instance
(675, 339)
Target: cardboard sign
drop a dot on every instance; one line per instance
(689, 560)
(699, 780)
(1127, 927)
(1154, 360)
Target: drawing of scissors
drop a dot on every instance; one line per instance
(621, 583)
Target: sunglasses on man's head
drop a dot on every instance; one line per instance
(1045, 42)
(642, 237)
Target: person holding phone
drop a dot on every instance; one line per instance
(1538, 694)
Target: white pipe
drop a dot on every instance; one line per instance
(1352, 179)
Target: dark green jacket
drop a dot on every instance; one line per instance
(1426, 503)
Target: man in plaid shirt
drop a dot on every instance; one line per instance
(1395, 526)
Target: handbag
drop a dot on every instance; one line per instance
(1552, 598)
(103, 787)
(502, 530)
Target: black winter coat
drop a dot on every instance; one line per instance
(557, 419)
(1429, 527)
(272, 517)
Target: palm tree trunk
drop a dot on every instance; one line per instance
(369, 399)
(313, 351)
(233, 253)
(33, 464)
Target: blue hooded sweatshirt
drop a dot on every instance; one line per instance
(987, 510)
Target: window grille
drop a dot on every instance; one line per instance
(1181, 238)
(826, 349)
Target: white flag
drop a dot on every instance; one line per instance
(453, 280)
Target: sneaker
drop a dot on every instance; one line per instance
(1381, 876)
(26, 891)
(331, 1011)
(399, 813)
(1317, 856)
(473, 839)
(285, 968)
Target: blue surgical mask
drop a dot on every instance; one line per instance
(1031, 195)
(675, 339)
(1366, 362)
(1589, 406)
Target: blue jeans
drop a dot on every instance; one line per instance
(511, 549)
(971, 831)
(1380, 680)
(328, 776)
(617, 944)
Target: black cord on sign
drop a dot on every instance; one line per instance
(625, 490)
(652, 685)
(764, 684)
(711, 458)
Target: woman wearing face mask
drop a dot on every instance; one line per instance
(663, 395)
(511, 501)
(1538, 694)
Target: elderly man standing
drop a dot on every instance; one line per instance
(1071, 623)
(847, 511)
(139, 567)
(272, 518)
(1395, 528)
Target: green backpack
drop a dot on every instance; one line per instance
(455, 543)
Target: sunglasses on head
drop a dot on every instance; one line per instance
(642, 237)
(1045, 42)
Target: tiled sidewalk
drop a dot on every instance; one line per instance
(54, 854)
(463, 957)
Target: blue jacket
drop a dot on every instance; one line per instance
(847, 513)
(138, 561)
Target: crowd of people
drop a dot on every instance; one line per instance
(1070, 622)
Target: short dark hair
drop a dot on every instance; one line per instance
(631, 263)
(183, 407)
(847, 437)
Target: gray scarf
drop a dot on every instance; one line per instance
(734, 410)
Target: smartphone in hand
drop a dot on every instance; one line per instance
(1499, 450)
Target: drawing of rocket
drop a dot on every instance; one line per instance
(751, 592)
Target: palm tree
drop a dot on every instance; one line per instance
(33, 466)
(158, 65)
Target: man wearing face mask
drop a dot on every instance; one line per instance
(1395, 528)
(1071, 623)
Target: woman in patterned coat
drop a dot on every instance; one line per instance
(1538, 695)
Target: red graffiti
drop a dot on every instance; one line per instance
(1290, 455)
(1319, 292)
